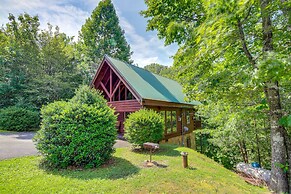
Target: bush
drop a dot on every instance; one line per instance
(18, 119)
(205, 145)
(144, 126)
(78, 133)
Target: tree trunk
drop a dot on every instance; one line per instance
(288, 150)
(258, 144)
(279, 182)
(243, 151)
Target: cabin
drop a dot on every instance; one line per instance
(129, 88)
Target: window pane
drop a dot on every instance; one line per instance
(174, 121)
(188, 117)
(162, 113)
(168, 123)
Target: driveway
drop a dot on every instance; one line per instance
(20, 144)
(16, 145)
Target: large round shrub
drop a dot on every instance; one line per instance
(144, 126)
(18, 119)
(78, 133)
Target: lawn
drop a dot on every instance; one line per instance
(1, 131)
(126, 174)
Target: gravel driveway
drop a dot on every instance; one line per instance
(20, 144)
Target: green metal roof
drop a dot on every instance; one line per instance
(150, 85)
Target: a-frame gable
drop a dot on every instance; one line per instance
(114, 87)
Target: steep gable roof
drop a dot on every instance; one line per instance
(149, 85)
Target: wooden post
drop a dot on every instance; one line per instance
(110, 90)
(185, 159)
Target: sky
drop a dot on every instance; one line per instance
(70, 15)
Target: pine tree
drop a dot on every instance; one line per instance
(101, 34)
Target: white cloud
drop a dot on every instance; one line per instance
(70, 15)
(61, 13)
(145, 51)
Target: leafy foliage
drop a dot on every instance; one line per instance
(233, 55)
(144, 126)
(100, 35)
(37, 67)
(206, 143)
(80, 132)
(161, 70)
(18, 119)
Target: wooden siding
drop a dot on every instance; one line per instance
(125, 105)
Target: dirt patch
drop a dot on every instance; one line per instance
(148, 164)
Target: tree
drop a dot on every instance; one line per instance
(37, 67)
(228, 48)
(161, 70)
(155, 68)
(59, 76)
(100, 35)
(18, 47)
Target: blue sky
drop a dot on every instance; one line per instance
(70, 15)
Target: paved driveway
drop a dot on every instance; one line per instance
(20, 144)
(16, 145)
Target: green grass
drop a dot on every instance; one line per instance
(31, 130)
(126, 175)
(1, 130)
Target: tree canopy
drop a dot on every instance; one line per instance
(102, 34)
(37, 66)
(235, 54)
(161, 70)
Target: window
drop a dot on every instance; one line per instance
(168, 123)
(174, 121)
(170, 118)
(188, 117)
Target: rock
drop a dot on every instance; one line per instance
(258, 173)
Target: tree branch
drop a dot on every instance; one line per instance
(244, 44)
(248, 14)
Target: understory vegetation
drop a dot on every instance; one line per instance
(16, 118)
(78, 133)
(144, 126)
(126, 174)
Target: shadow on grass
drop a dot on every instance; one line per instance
(191, 168)
(117, 169)
(164, 150)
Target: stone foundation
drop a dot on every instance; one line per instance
(189, 140)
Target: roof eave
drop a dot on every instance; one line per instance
(152, 102)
